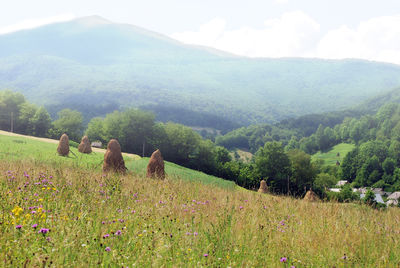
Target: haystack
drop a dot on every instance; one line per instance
(85, 147)
(311, 196)
(263, 187)
(113, 160)
(155, 168)
(63, 145)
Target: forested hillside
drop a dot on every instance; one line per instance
(96, 66)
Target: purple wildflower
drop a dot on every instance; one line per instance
(44, 230)
(283, 259)
(108, 249)
(18, 227)
(34, 226)
(106, 235)
(205, 255)
(119, 232)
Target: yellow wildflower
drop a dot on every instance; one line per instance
(17, 211)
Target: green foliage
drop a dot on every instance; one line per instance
(346, 194)
(322, 183)
(302, 172)
(27, 118)
(69, 122)
(273, 164)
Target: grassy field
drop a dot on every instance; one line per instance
(17, 148)
(330, 157)
(60, 212)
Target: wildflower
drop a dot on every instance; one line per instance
(108, 249)
(106, 235)
(205, 255)
(188, 233)
(241, 207)
(44, 230)
(34, 226)
(344, 257)
(195, 233)
(18, 227)
(119, 232)
(283, 259)
(17, 211)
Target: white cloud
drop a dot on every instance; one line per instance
(282, 1)
(33, 23)
(207, 35)
(295, 34)
(375, 39)
(290, 35)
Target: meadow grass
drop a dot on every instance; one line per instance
(58, 214)
(18, 148)
(330, 157)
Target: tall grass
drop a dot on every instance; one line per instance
(115, 221)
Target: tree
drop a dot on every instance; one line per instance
(25, 123)
(302, 172)
(179, 143)
(323, 182)
(273, 165)
(41, 122)
(95, 130)
(10, 105)
(222, 155)
(69, 122)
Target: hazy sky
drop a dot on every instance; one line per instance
(368, 29)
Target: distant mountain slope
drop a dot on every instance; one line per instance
(373, 104)
(91, 62)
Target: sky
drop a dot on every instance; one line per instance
(335, 29)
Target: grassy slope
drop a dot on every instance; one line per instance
(330, 157)
(15, 148)
(173, 222)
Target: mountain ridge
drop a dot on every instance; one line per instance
(107, 62)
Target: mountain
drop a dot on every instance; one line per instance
(91, 63)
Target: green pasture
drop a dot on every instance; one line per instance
(21, 148)
(336, 153)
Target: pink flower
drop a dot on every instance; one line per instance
(205, 255)
(283, 259)
(44, 230)
(108, 249)
(18, 227)
(34, 226)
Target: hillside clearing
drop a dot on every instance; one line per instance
(337, 153)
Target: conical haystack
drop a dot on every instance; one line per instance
(155, 168)
(311, 196)
(84, 146)
(63, 145)
(263, 187)
(113, 160)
